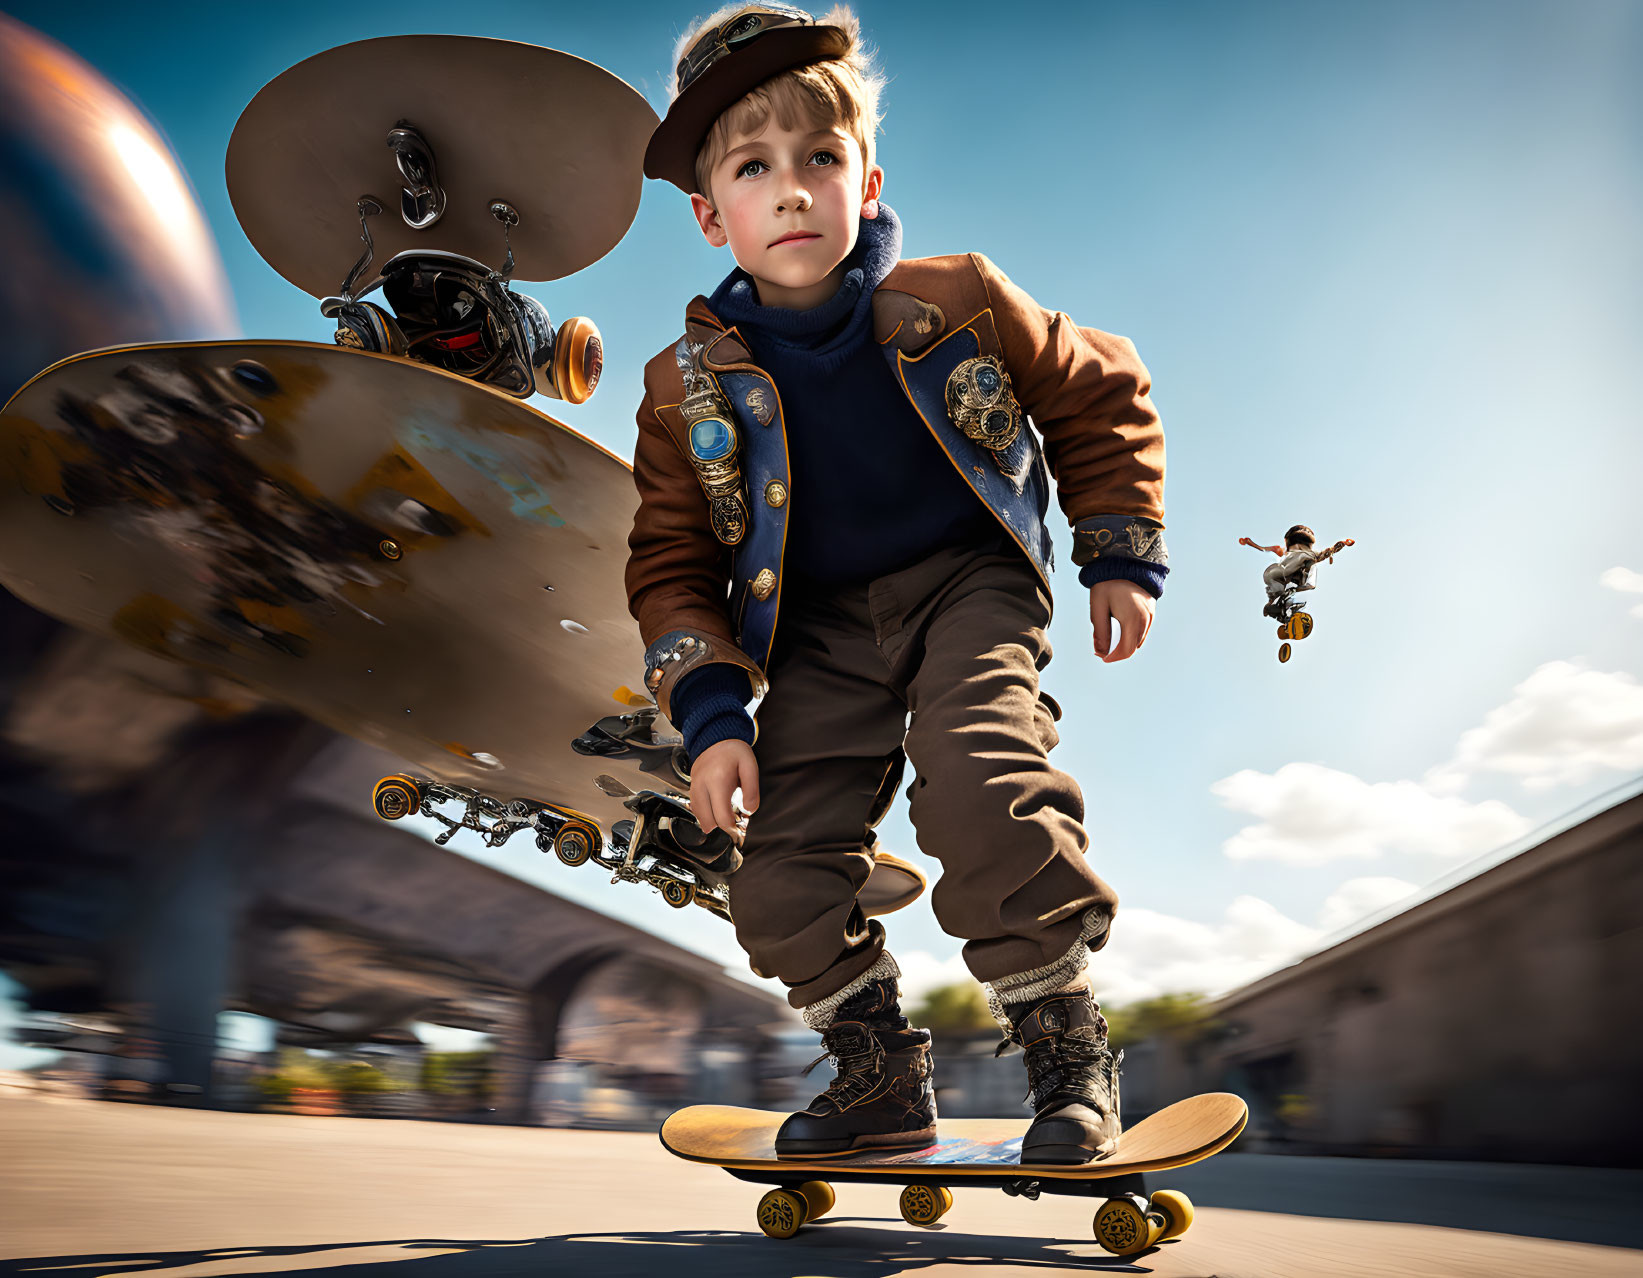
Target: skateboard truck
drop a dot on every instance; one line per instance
(461, 316)
(494, 820)
(634, 736)
(662, 845)
(665, 847)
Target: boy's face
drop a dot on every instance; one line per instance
(788, 202)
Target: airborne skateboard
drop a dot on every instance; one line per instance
(1292, 624)
(977, 1152)
(381, 533)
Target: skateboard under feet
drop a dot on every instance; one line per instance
(978, 1153)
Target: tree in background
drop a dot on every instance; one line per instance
(1175, 1016)
(954, 1010)
(960, 1010)
(458, 1074)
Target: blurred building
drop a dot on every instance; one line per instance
(345, 930)
(1496, 1020)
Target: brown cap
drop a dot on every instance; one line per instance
(725, 64)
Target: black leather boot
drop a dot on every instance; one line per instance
(881, 1096)
(1072, 1078)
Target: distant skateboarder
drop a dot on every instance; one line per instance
(1296, 569)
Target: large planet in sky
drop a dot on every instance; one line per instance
(104, 241)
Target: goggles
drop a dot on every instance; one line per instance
(734, 33)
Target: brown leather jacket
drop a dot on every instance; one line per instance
(1085, 391)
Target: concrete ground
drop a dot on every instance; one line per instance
(89, 1189)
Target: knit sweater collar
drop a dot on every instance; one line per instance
(825, 334)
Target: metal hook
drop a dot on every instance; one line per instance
(367, 207)
(506, 214)
(422, 202)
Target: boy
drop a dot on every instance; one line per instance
(1297, 566)
(837, 441)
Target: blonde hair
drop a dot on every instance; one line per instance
(842, 92)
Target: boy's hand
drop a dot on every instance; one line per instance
(1127, 604)
(718, 772)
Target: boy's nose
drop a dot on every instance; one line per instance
(798, 201)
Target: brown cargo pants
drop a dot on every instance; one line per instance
(956, 641)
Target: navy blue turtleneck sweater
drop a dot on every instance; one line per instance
(872, 491)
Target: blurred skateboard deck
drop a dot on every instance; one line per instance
(404, 555)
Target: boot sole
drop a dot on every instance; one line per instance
(832, 1149)
(1067, 1155)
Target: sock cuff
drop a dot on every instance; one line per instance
(1064, 974)
(819, 1015)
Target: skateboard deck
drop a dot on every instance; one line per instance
(569, 157)
(404, 555)
(982, 1152)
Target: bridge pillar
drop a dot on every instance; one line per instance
(201, 821)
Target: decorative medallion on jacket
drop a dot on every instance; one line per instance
(714, 447)
(982, 403)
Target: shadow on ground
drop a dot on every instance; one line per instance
(836, 1249)
(1568, 1204)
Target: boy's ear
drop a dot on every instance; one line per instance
(708, 219)
(870, 193)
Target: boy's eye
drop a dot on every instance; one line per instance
(751, 168)
(824, 157)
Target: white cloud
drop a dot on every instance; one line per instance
(1626, 582)
(1307, 814)
(1359, 898)
(922, 972)
(1563, 725)
(1153, 953)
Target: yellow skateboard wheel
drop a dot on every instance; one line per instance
(781, 1212)
(1300, 625)
(1283, 653)
(923, 1205)
(396, 797)
(1123, 1227)
(677, 894)
(1176, 1209)
(818, 1198)
(576, 842)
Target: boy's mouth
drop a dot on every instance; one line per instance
(795, 236)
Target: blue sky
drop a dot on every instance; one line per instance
(1382, 260)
